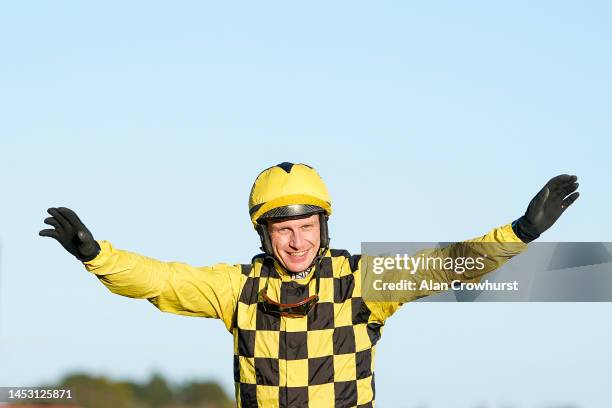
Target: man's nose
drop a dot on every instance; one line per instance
(296, 239)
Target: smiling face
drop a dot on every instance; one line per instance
(295, 241)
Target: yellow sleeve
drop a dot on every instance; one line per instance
(496, 247)
(172, 287)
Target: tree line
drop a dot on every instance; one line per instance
(90, 391)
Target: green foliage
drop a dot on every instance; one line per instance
(100, 392)
(156, 393)
(198, 393)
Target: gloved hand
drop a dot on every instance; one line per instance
(546, 207)
(69, 231)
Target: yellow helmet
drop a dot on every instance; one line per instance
(286, 190)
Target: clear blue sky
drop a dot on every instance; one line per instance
(429, 122)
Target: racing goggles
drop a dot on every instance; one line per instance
(299, 309)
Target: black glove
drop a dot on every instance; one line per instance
(71, 233)
(546, 207)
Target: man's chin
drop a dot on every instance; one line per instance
(293, 268)
(296, 267)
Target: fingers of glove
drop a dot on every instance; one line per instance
(53, 222)
(570, 187)
(563, 183)
(569, 200)
(59, 217)
(71, 217)
(563, 188)
(557, 186)
(559, 197)
(557, 180)
(49, 233)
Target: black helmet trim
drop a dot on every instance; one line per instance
(293, 210)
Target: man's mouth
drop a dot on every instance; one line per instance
(298, 254)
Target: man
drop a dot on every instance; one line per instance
(303, 334)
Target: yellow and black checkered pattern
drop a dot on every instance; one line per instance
(324, 359)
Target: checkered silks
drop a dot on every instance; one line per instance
(324, 359)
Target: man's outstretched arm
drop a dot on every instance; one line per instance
(171, 286)
(496, 247)
(501, 244)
